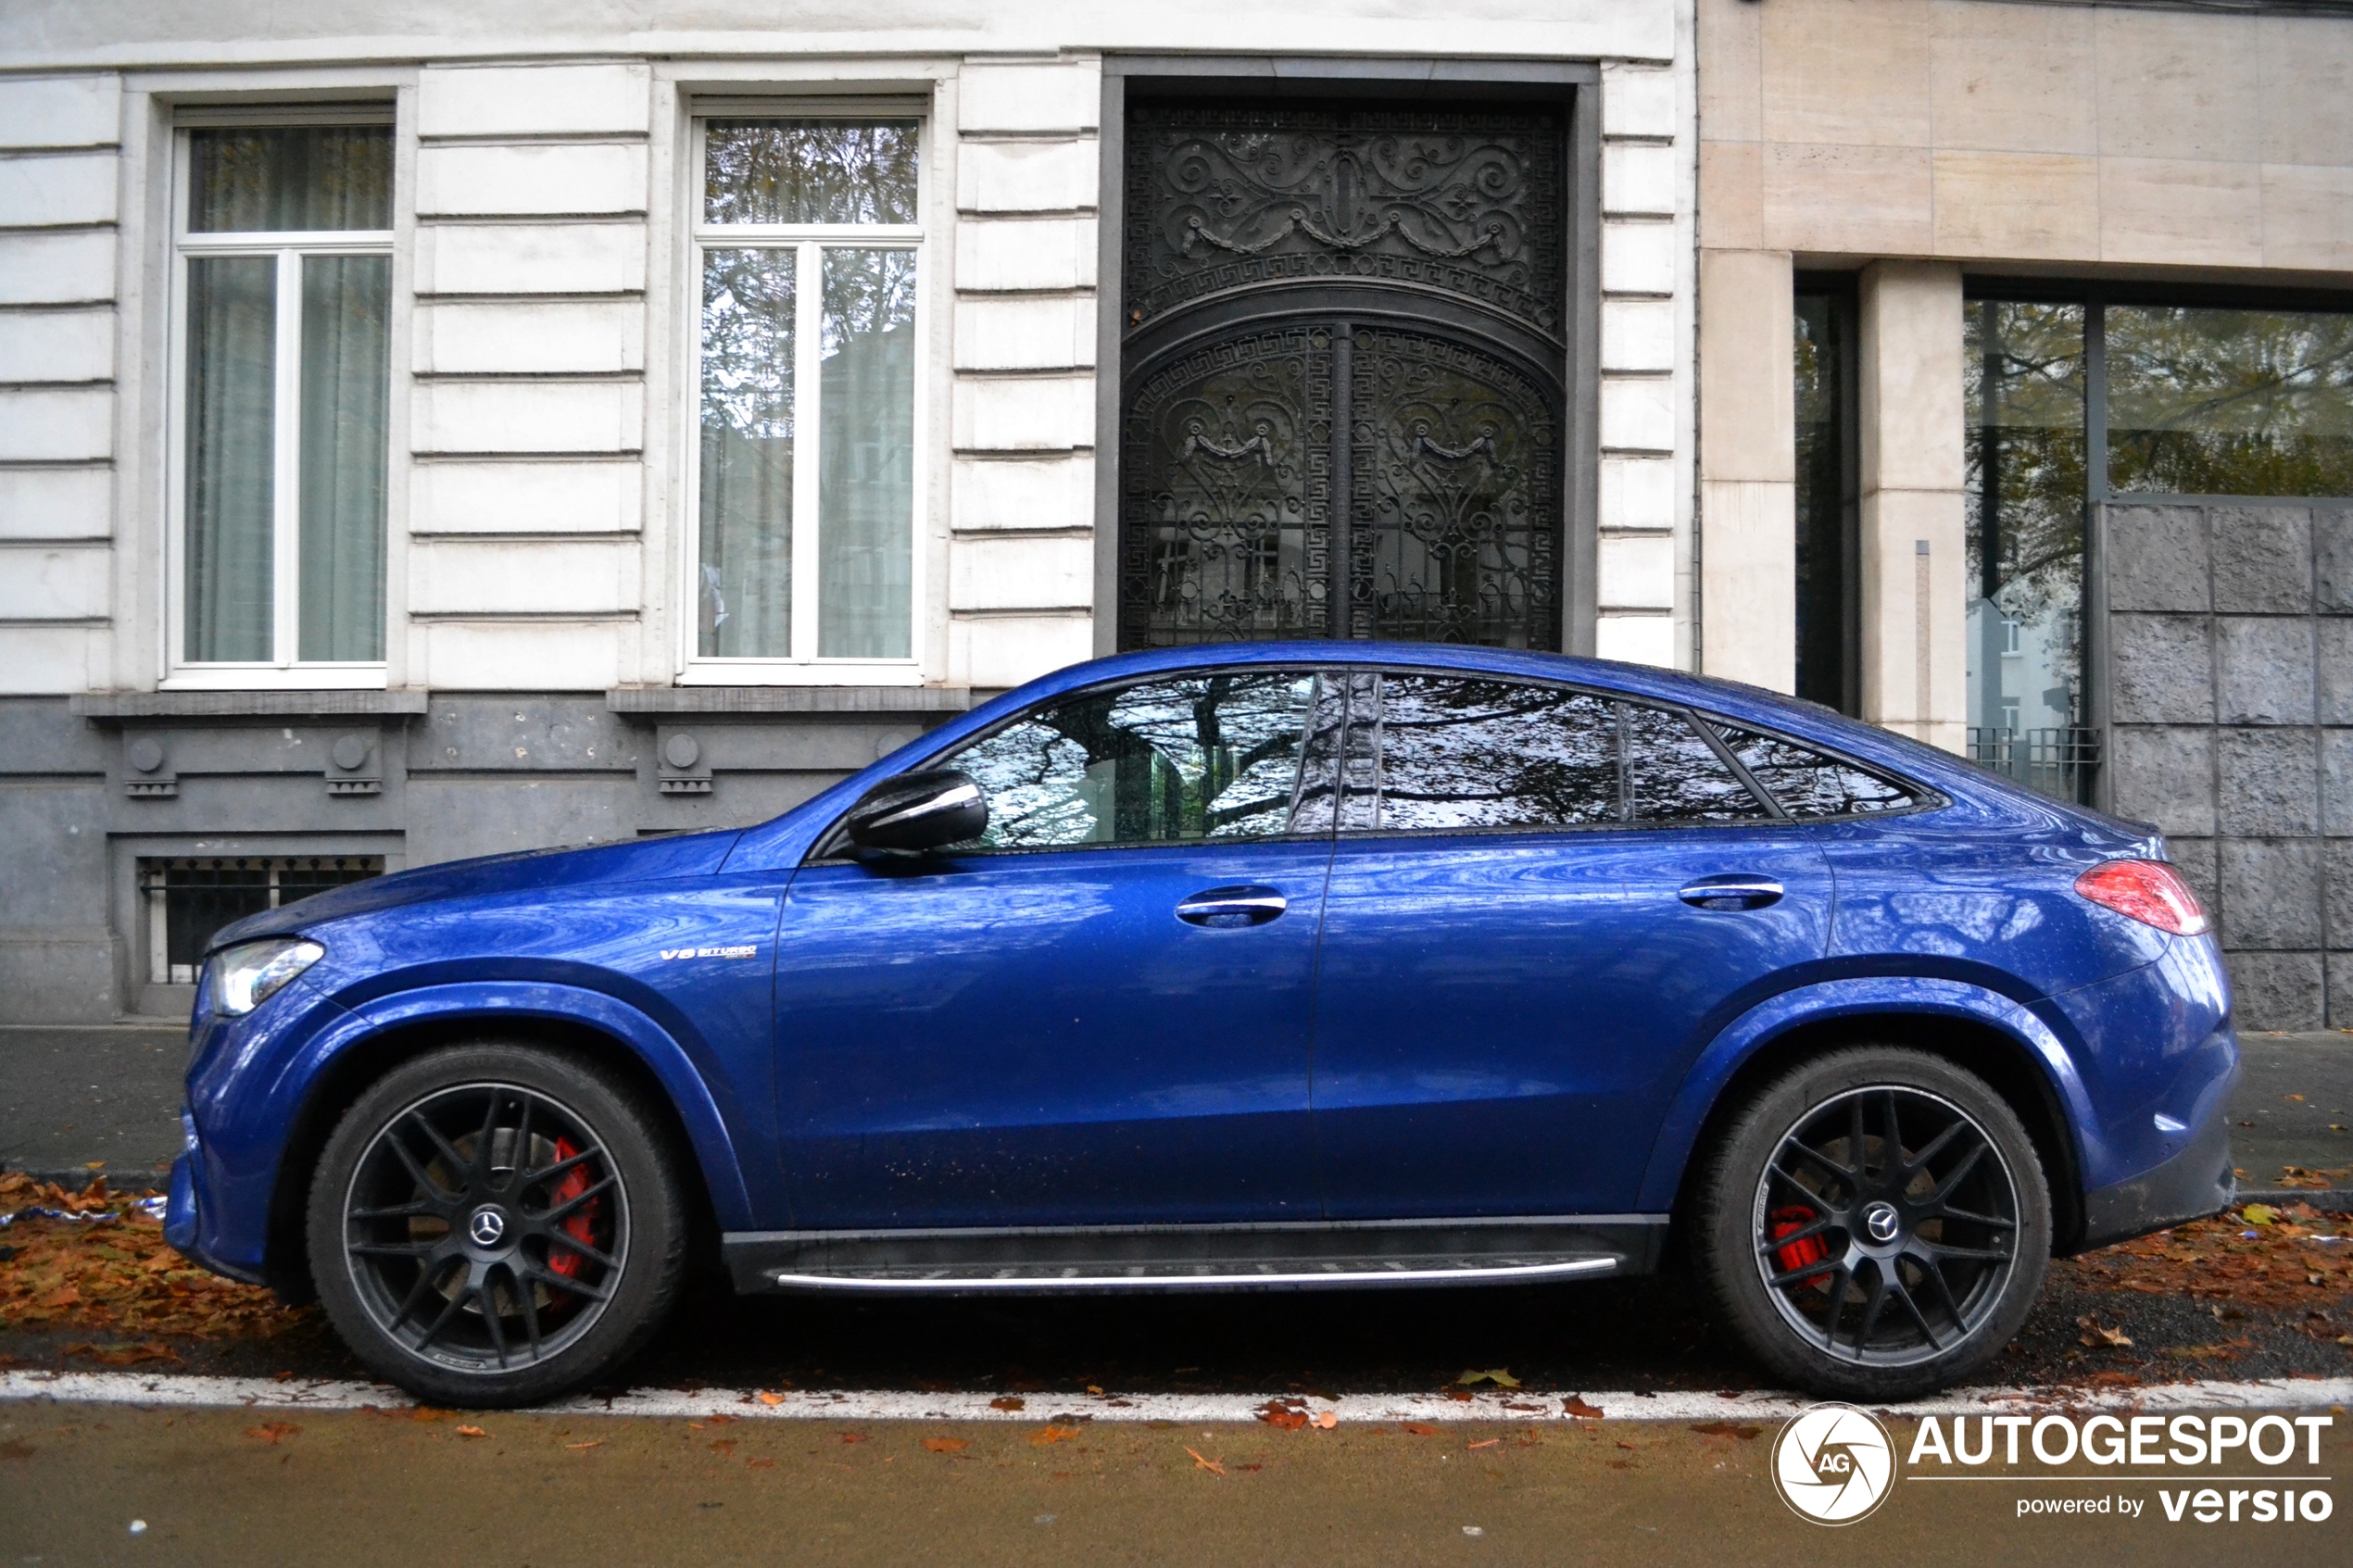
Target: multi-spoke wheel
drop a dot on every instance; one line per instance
(1875, 1224)
(492, 1225)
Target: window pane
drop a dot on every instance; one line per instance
(346, 302)
(2023, 394)
(2229, 402)
(746, 559)
(230, 491)
(282, 177)
(1822, 500)
(1673, 776)
(808, 171)
(1808, 783)
(866, 456)
(1458, 753)
(1210, 758)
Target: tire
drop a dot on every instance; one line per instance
(506, 1280)
(1886, 1282)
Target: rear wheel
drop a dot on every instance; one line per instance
(1875, 1224)
(495, 1225)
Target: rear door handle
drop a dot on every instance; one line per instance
(1224, 907)
(1735, 890)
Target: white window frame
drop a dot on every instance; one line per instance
(809, 242)
(285, 670)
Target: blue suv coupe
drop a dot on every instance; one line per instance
(1268, 966)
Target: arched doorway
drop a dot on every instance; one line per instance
(1342, 368)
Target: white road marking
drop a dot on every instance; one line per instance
(191, 1392)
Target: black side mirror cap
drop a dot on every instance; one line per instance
(915, 812)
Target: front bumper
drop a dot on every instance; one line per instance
(2193, 1183)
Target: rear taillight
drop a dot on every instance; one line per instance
(2147, 891)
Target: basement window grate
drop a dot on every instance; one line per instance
(189, 899)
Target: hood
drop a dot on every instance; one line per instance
(696, 854)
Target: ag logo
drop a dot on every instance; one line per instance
(1833, 1465)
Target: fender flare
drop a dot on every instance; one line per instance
(490, 1001)
(1739, 1041)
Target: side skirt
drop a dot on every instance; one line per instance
(1158, 1258)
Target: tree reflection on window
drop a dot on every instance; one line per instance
(1210, 756)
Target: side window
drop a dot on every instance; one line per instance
(1455, 752)
(1809, 785)
(1203, 758)
(1673, 776)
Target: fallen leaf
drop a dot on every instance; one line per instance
(725, 1448)
(1284, 1415)
(1325, 1420)
(471, 1432)
(768, 1398)
(1094, 1388)
(2258, 1213)
(1209, 1464)
(1486, 1443)
(1575, 1406)
(270, 1430)
(1725, 1429)
(1008, 1402)
(760, 1464)
(1419, 1429)
(946, 1445)
(17, 1447)
(598, 1444)
(1500, 1377)
(855, 1437)
(1050, 1435)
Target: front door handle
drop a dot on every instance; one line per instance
(1224, 907)
(1734, 891)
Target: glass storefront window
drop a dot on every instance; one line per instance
(2023, 381)
(2204, 402)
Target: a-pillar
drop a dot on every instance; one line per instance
(1915, 585)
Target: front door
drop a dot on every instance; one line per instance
(1097, 1014)
(1536, 902)
(1342, 361)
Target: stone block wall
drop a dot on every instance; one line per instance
(2231, 707)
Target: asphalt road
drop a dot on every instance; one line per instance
(238, 1487)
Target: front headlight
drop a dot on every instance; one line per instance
(248, 974)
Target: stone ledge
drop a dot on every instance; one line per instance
(848, 701)
(113, 707)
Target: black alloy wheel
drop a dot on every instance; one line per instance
(492, 1225)
(1876, 1225)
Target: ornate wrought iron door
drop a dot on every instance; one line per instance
(1342, 367)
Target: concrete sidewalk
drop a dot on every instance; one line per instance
(77, 1100)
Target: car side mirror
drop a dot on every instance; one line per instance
(918, 812)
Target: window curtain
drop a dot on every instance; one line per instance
(228, 480)
(286, 178)
(744, 559)
(866, 456)
(345, 376)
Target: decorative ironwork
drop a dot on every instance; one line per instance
(1456, 512)
(1227, 479)
(1305, 466)
(1469, 204)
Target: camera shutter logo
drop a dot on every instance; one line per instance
(1833, 1465)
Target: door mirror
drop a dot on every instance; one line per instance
(918, 812)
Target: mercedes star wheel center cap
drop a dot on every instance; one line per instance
(1879, 1219)
(489, 1227)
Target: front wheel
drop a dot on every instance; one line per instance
(495, 1225)
(1875, 1224)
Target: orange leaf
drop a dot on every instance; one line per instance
(1420, 1429)
(768, 1398)
(270, 1430)
(1007, 1402)
(471, 1432)
(598, 1444)
(946, 1445)
(1209, 1464)
(855, 1437)
(1053, 1435)
(1575, 1406)
(1284, 1415)
(1487, 1443)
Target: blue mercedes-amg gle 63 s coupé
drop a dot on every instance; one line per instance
(1266, 966)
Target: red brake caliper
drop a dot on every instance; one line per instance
(581, 1226)
(1797, 1254)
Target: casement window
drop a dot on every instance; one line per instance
(807, 246)
(282, 298)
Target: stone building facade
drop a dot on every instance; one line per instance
(384, 478)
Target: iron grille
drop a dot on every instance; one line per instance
(191, 898)
(2056, 762)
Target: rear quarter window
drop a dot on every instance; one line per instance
(1810, 784)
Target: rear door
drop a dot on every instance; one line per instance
(1543, 902)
